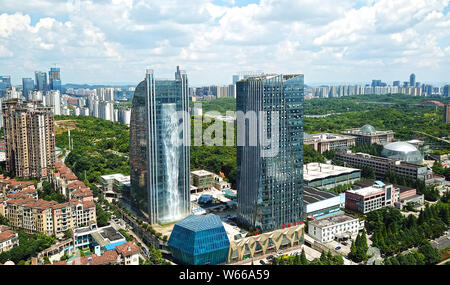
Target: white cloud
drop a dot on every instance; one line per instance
(115, 40)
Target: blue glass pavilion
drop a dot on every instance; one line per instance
(199, 240)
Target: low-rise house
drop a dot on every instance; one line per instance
(8, 239)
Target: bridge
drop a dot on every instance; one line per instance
(437, 103)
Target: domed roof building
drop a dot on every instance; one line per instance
(368, 129)
(402, 151)
(367, 134)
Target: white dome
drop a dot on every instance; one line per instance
(402, 151)
(400, 146)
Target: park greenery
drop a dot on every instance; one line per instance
(97, 146)
(393, 233)
(325, 259)
(221, 105)
(359, 247)
(373, 149)
(4, 221)
(425, 255)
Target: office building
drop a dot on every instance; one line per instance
(202, 179)
(446, 91)
(5, 84)
(369, 135)
(27, 86)
(41, 81)
(159, 148)
(334, 228)
(405, 194)
(32, 153)
(371, 198)
(327, 176)
(382, 165)
(326, 142)
(412, 80)
(320, 204)
(199, 240)
(270, 187)
(54, 77)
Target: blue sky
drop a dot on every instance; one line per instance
(114, 41)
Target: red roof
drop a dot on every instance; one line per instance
(6, 235)
(127, 249)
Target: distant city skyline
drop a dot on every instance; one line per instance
(338, 41)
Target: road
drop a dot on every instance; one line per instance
(436, 138)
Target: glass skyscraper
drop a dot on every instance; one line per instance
(27, 86)
(54, 77)
(160, 166)
(41, 80)
(270, 189)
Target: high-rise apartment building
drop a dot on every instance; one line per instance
(41, 80)
(159, 148)
(270, 187)
(53, 99)
(29, 138)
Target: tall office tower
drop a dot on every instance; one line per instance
(236, 78)
(270, 188)
(396, 83)
(41, 80)
(53, 99)
(412, 80)
(29, 138)
(446, 91)
(159, 148)
(447, 113)
(5, 84)
(54, 78)
(27, 86)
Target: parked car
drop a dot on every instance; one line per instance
(262, 262)
(270, 257)
(344, 243)
(338, 248)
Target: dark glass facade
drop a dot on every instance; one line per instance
(54, 77)
(270, 189)
(159, 168)
(199, 240)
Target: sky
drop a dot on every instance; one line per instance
(329, 41)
